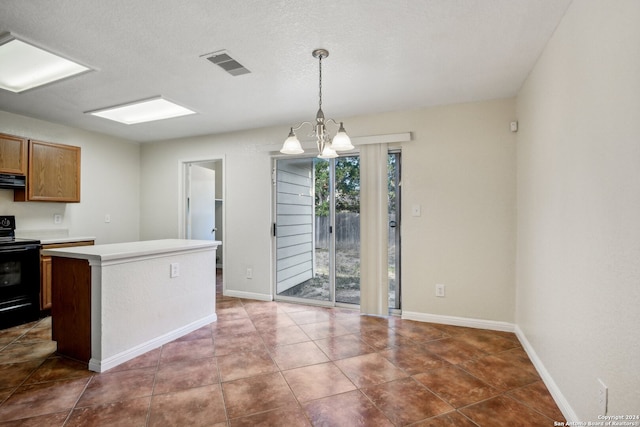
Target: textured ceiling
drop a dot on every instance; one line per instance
(385, 55)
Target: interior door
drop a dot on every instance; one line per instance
(201, 211)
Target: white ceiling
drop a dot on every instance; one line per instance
(385, 55)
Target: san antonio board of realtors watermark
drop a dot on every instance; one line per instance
(604, 421)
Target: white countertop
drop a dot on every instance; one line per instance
(118, 251)
(51, 236)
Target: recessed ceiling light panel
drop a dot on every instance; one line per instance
(147, 110)
(25, 66)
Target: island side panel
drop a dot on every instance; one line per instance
(141, 303)
(71, 307)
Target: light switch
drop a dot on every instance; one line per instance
(416, 210)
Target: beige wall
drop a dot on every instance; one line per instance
(578, 266)
(247, 200)
(461, 171)
(460, 167)
(110, 184)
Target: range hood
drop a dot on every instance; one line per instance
(12, 181)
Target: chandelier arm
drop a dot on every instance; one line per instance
(298, 127)
(334, 122)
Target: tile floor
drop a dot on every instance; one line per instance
(281, 364)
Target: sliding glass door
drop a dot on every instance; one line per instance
(317, 230)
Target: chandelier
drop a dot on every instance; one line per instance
(327, 149)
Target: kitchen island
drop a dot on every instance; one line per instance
(113, 302)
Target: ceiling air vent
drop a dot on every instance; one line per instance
(223, 60)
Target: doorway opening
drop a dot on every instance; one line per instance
(202, 207)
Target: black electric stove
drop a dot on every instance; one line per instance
(19, 276)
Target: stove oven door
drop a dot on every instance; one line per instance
(19, 284)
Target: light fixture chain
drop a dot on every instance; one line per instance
(320, 85)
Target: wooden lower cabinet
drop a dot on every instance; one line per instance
(45, 271)
(71, 308)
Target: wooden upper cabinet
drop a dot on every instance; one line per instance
(54, 173)
(13, 155)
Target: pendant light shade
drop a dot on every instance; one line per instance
(328, 153)
(341, 142)
(291, 145)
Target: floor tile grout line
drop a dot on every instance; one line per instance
(525, 403)
(460, 366)
(153, 387)
(75, 404)
(222, 393)
(503, 394)
(468, 418)
(380, 409)
(17, 338)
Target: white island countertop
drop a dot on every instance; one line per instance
(128, 250)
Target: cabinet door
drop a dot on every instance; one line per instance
(13, 155)
(45, 283)
(54, 172)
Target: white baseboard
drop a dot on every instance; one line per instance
(553, 388)
(493, 325)
(98, 365)
(247, 295)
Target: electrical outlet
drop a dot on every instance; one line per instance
(57, 219)
(175, 270)
(249, 273)
(440, 291)
(603, 397)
